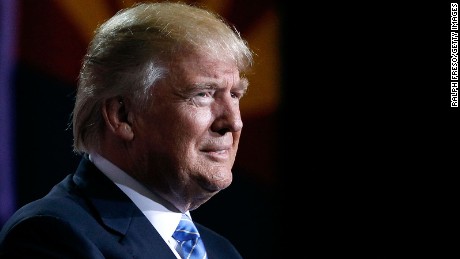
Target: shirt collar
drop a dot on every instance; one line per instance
(164, 220)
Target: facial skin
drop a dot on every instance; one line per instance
(183, 146)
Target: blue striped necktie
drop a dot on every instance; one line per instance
(189, 239)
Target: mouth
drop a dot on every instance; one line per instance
(217, 154)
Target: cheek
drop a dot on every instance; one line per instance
(194, 122)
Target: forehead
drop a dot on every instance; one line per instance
(195, 68)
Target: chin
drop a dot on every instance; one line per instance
(216, 182)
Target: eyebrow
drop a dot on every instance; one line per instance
(242, 85)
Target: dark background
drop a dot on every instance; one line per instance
(379, 140)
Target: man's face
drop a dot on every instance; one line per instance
(189, 136)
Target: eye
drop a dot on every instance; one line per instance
(204, 94)
(202, 98)
(236, 95)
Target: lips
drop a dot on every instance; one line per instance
(217, 153)
(217, 149)
(217, 145)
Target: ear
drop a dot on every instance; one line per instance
(118, 117)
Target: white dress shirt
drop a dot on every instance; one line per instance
(162, 219)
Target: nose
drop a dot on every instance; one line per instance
(227, 116)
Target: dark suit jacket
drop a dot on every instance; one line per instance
(88, 216)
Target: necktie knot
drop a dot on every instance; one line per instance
(189, 239)
(186, 230)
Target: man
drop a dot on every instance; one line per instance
(157, 122)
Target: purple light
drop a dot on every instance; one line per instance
(7, 63)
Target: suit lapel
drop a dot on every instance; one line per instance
(120, 214)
